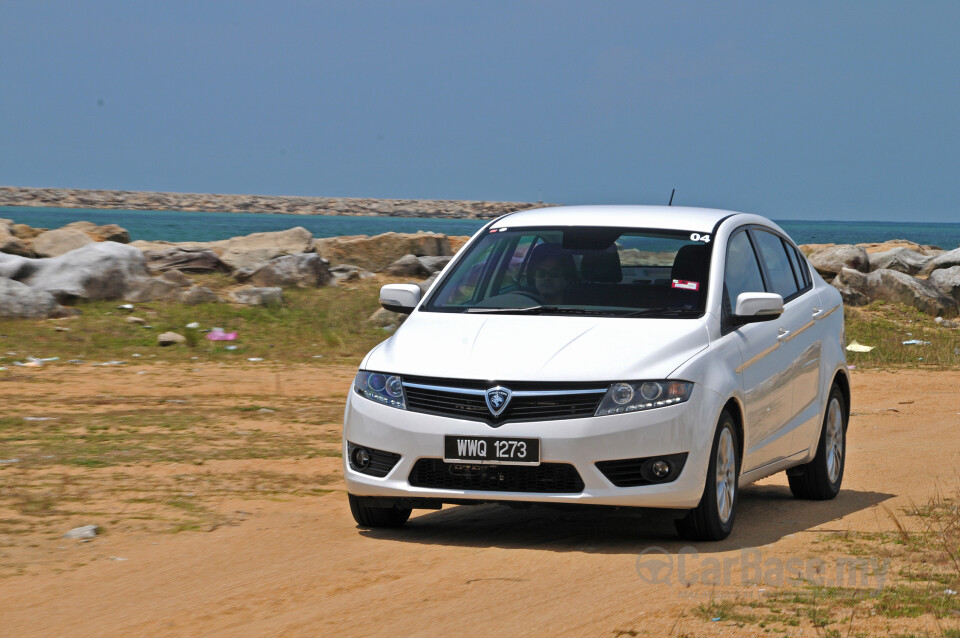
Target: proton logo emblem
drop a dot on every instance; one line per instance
(497, 399)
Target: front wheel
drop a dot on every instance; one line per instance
(368, 515)
(820, 479)
(712, 519)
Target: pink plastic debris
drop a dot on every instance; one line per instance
(220, 335)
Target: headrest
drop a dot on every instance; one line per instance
(691, 263)
(602, 266)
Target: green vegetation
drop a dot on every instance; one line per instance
(924, 580)
(329, 322)
(887, 325)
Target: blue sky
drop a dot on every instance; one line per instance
(795, 110)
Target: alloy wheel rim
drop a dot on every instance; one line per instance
(726, 475)
(834, 441)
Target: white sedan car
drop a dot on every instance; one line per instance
(626, 356)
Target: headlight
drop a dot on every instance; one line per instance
(382, 388)
(643, 395)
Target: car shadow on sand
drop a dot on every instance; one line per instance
(765, 514)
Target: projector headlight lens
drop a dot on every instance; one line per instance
(621, 393)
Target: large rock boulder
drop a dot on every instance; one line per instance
(891, 285)
(882, 247)
(174, 276)
(407, 266)
(10, 243)
(176, 258)
(435, 264)
(946, 281)
(254, 251)
(54, 243)
(246, 252)
(852, 285)
(147, 289)
(349, 272)
(17, 267)
(257, 296)
(25, 232)
(307, 270)
(196, 295)
(830, 260)
(375, 253)
(945, 260)
(107, 232)
(20, 301)
(101, 270)
(902, 259)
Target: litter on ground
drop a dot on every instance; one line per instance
(219, 335)
(859, 347)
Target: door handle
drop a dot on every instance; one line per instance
(782, 333)
(817, 313)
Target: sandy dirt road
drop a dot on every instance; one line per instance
(299, 566)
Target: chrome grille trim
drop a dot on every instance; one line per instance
(516, 393)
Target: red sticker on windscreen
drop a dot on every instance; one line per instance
(685, 285)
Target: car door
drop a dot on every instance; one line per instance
(800, 342)
(767, 395)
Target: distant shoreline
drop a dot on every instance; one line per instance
(265, 204)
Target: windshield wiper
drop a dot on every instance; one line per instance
(667, 312)
(540, 310)
(532, 310)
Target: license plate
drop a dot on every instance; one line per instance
(491, 450)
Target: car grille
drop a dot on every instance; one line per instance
(559, 478)
(530, 401)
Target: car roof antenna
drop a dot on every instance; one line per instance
(671, 197)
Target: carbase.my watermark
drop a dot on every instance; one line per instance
(749, 567)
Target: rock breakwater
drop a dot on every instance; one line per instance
(286, 205)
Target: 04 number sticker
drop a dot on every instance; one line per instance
(698, 237)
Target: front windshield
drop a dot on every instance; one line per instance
(580, 270)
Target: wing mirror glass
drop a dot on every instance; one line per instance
(400, 297)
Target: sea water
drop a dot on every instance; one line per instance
(192, 226)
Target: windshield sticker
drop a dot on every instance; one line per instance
(698, 237)
(683, 284)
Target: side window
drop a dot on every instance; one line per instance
(742, 272)
(797, 266)
(774, 255)
(464, 287)
(803, 267)
(509, 279)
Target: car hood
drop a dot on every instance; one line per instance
(538, 348)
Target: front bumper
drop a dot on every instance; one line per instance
(687, 427)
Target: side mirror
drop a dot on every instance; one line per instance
(400, 297)
(757, 306)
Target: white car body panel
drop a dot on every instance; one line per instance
(541, 348)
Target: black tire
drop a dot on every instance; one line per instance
(371, 516)
(705, 522)
(813, 480)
